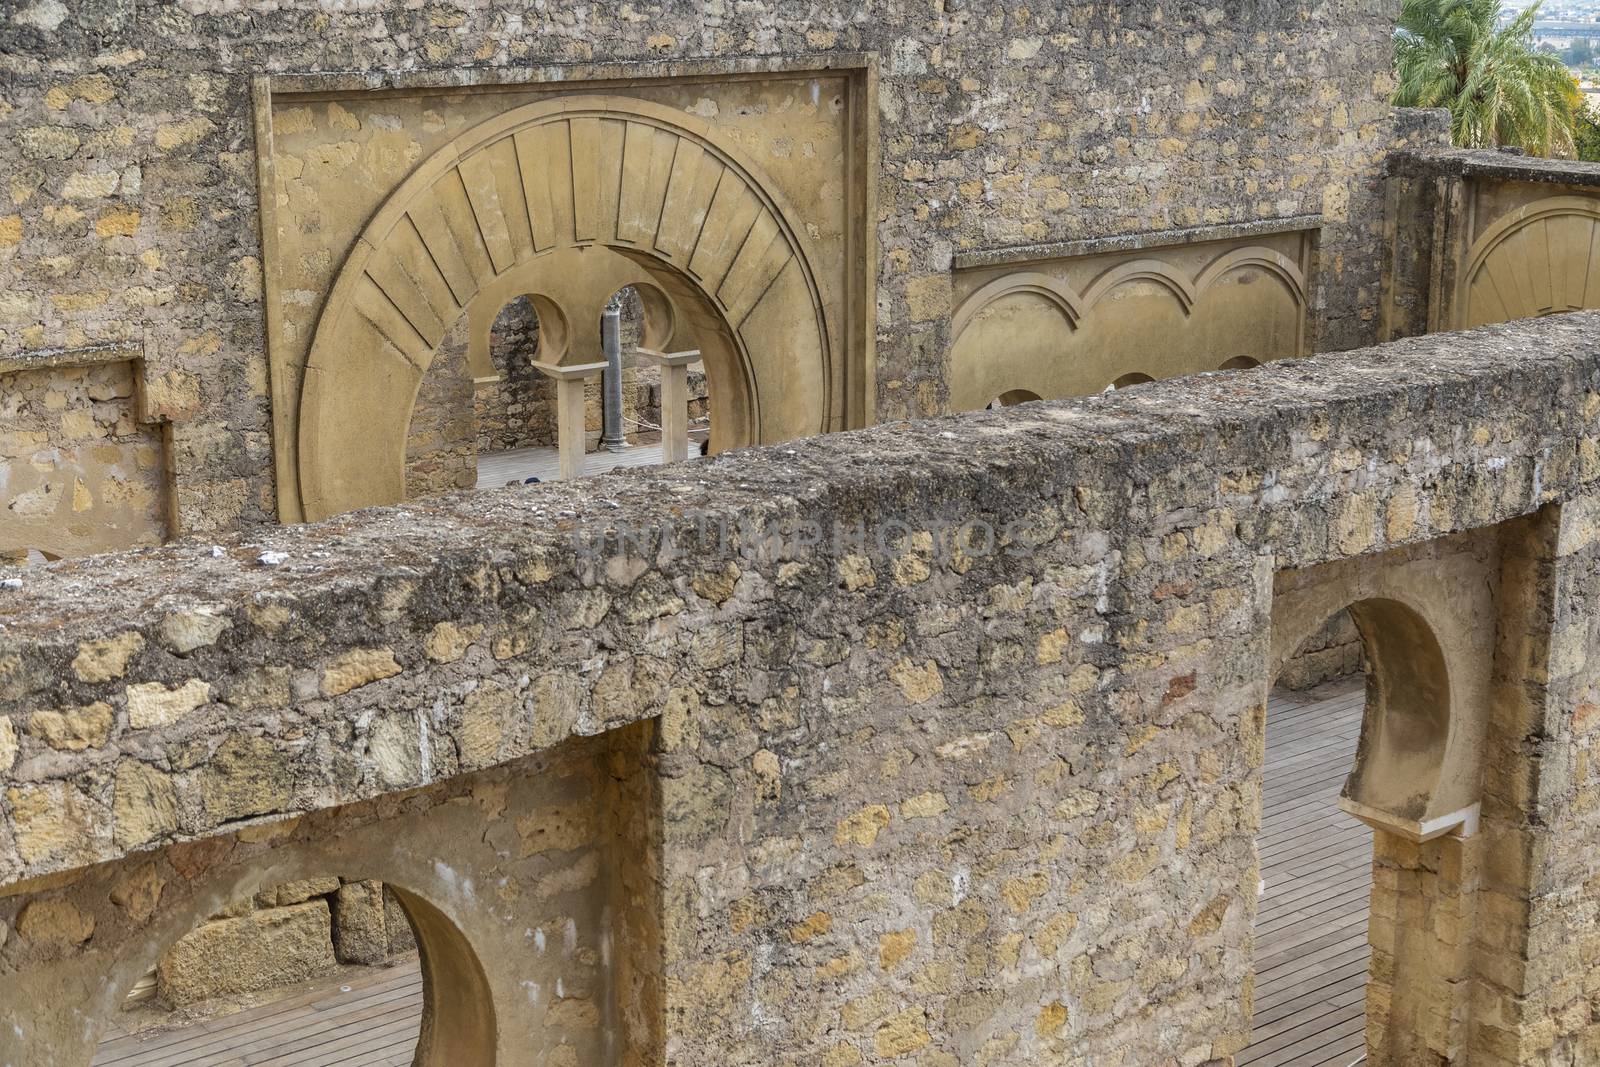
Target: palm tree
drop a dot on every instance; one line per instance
(1500, 91)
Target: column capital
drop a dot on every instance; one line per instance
(569, 372)
(670, 359)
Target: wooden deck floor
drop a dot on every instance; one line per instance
(1316, 863)
(369, 1021)
(1311, 938)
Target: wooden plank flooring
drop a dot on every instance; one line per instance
(368, 1021)
(1316, 866)
(1311, 938)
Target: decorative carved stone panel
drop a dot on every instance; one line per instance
(735, 207)
(1082, 318)
(1537, 256)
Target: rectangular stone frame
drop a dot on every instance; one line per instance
(863, 162)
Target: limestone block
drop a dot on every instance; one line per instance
(357, 668)
(73, 729)
(8, 744)
(297, 892)
(185, 631)
(359, 932)
(152, 704)
(398, 927)
(261, 950)
(106, 658)
(55, 922)
(247, 776)
(146, 804)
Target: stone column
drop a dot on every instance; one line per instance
(569, 411)
(674, 400)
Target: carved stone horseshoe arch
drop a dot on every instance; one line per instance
(642, 179)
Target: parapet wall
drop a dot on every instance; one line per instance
(963, 760)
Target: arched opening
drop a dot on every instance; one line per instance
(519, 422)
(1012, 397)
(1131, 379)
(1240, 363)
(1356, 729)
(496, 214)
(313, 970)
(515, 404)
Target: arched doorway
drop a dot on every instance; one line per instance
(286, 970)
(1370, 809)
(499, 212)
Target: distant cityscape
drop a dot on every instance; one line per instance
(1571, 30)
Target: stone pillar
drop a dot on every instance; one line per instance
(674, 400)
(569, 411)
(1536, 952)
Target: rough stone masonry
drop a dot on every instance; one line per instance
(130, 211)
(974, 781)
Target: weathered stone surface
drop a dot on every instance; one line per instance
(247, 776)
(103, 659)
(297, 892)
(704, 813)
(8, 744)
(358, 668)
(145, 806)
(359, 931)
(153, 704)
(72, 729)
(185, 631)
(397, 926)
(263, 949)
(54, 922)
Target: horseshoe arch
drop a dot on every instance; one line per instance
(642, 179)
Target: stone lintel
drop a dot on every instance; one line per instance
(343, 83)
(87, 356)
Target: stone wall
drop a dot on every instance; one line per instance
(518, 410)
(82, 466)
(134, 214)
(1479, 237)
(1333, 652)
(281, 936)
(938, 796)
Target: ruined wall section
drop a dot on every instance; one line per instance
(132, 211)
(975, 802)
(82, 467)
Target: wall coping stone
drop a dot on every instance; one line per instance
(1495, 166)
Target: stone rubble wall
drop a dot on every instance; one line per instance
(79, 473)
(132, 210)
(941, 798)
(1332, 653)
